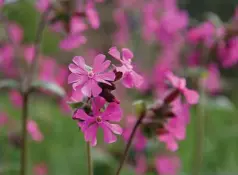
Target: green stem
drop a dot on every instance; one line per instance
(24, 135)
(90, 162)
(125, 154)
(199, 134)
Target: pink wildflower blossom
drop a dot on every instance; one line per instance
(40, 169)
(191, 96)
(34, 131)
(72, 41)
(90, 123)
(89, 77)
(167, 165)
(16, 98)
(130, 77)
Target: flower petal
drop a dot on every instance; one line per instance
(104, 77)
(97, 104)
(191, 96)
(80, 114)
(115, 128)
(96, 90)
(112, 113)
(127, 54)
(109, 137)
(91, 134)
(115, 53)
(99, 65)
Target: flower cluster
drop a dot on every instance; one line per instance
(94, 85)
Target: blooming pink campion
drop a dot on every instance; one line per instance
(167, 165)
(130, 77)
(89, 77)
(191, 96)
(16, 98)
(40, 169)
(34, 131)
(89, 124)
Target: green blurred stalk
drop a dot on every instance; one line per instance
(90, 161)
(24, 134)
(199, 134)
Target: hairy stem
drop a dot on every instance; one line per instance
(199, 135)
(90, 162)
(24, 135)
(125, 154)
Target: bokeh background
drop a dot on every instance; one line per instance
(62, 150)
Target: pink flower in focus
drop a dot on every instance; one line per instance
(191, 96)
(89, 77)
(34, 131)
(40, 169)
(16, 33)
(42, 5)
(3, 119)
(16, 98)
(167, 165)
(139, 141)
(92, 15)
(130, 77)
(77, 95)
(212, 82)
(90, 124)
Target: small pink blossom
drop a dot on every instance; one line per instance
(16, 98)
(167, 165)
(34, 131)
(89, 77)
(40, 169)
(89, 124)
(191, 96)
(72, 41)
(29, 52)
(77, 25)
(42, 5)
(130, 77)
(16, 33)
(3, 119)
(139, 141)
(92, 15)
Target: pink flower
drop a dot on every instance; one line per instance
(77, 25)
(141, 164)
(90, 124)
(130, 77)
(16, 33)
(89, 77)
(16, 98)
(167, 165)
(42, 5)
(72, 41)
(77, 95)
(191, 96)
(40, 169)
(213, 81)
(139, 141)
(47, 70)
(34, 131)
(3, 119)
(29, 53)
(92, 15)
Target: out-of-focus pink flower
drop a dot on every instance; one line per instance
(202, 33)
(90, 124)
(194, 59)
(42, 5)
(40, 169)
(34, 131)
(176, 127)
(64, 106)
(89, 77)
(228, 54)
(212, 82)
(3, 119)
(130, 77)
(191, 96)
(29, 53)
(121, 35)
(141, 164)
(167, 165)
(72, 41)
(139, 141)
(77, 25)
(1, 3)
(92, 15)
(61, 75)
(47, 70)
(16, 33)
(16, 98)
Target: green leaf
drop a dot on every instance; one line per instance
(49, 86)
(10, 84)
(75, 105)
